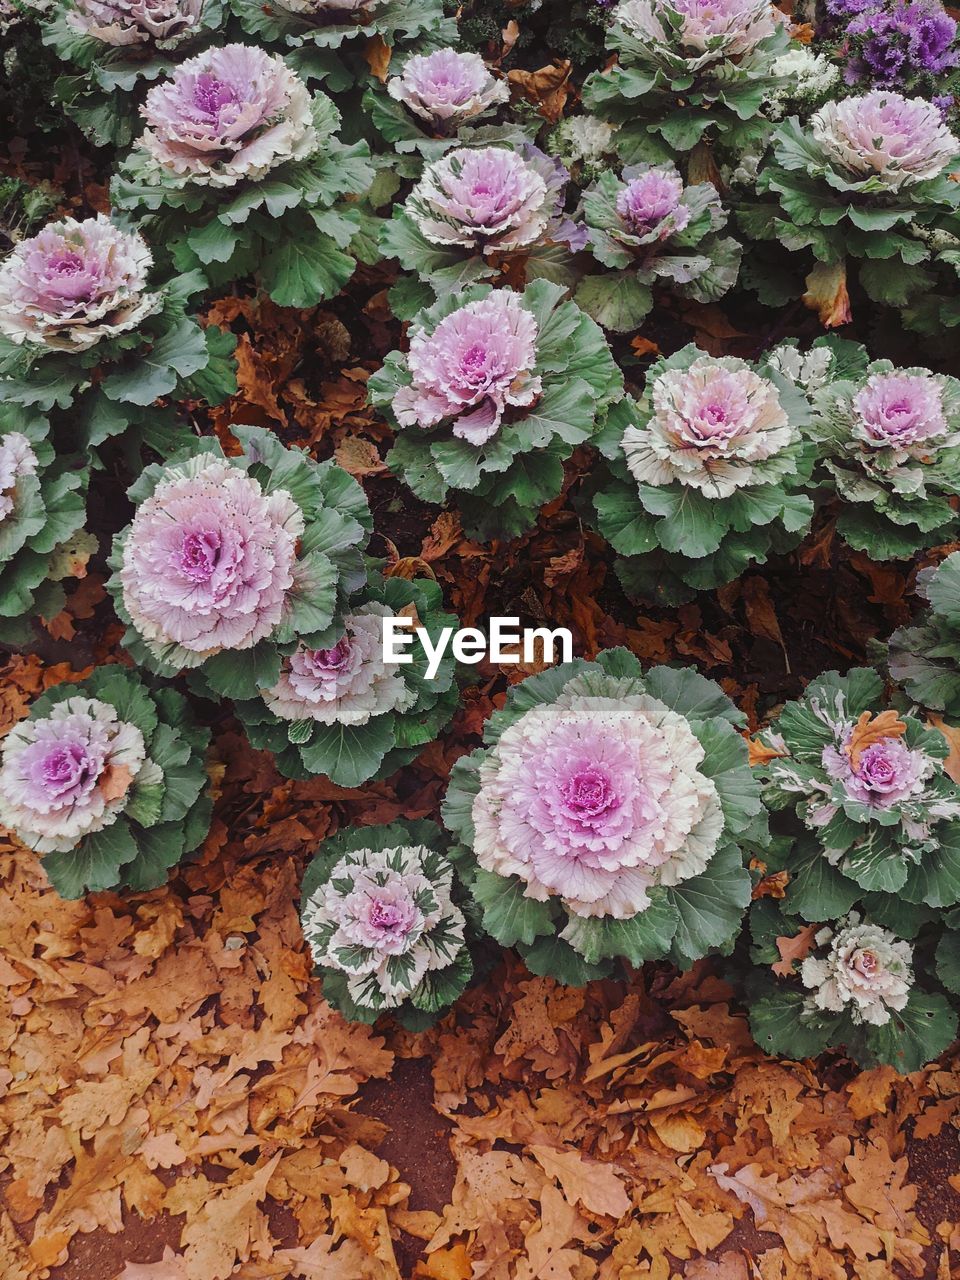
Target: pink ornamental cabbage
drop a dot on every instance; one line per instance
(379, 904)
(346, 684)
(701, 31)
(472, 368)
(17, 460)
(208, 561)
(595, 800)
(75, 283)
(895, 140)
(650, 205)
(228, 115)
(164, 23)
(887, 772)
(447, 87)
(485, 198)
(67, 775)
(711, 425)
(900, 411)
(865, 970)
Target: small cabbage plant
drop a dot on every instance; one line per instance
(856, 987)
(231, 563)
(385, 919)
(239, 171)
(925, 657)
(495, 392)
(476, 213)
(106, 781)
(325, 39)
(42, 511)
(889, 447)
(604, 815)
(868, 785)
(687, 71)
(867, 177)
(116, 48)
(438, 100)
(84, 327)
(706, 474)
(652, 230)
(340, 710)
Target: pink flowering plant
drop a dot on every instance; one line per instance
(888, 441)
(85, 326)
(925, 657)
(106, 781)
(687, 71)
(231, 563)
(437, 100)
(475, 213)
(867, 178)
(604, 815)
(495, 392)
(115, 50)
(862, 987)
(325, 39)
(386, 920)
(340, 710)
(705, 474)
(869, 786)
(239, 172)
(42, 510)
(653, 231)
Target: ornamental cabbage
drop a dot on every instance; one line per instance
(603, 814)
(495, 392)
(925, 658)
(869, 784)
(114, 48)
(106, 781)
(856, 988)
(78, 310)
(653, 230)
(445, 88)
(687, 70)
(42, 507)
(868, 178)
(340, 710)
(583, 145)
(325, 39)
(225, 116)
(164, 24)
(380, 914)
(239, 170)
(439, 100)
(705, 474)
(75, 284)
(889, 445)
(476, 211)
(230, 563)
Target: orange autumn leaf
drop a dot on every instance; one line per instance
(546, 88)
(794, 948)
(758, 753)
(871, 729)
(827, 294)
(952, 763)
(115, 781)
(377, 54)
